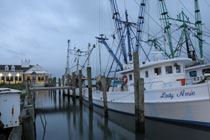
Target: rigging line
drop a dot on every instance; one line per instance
(99, 14)
(206, 35)
(186, 8)
(125, 6)
(141, 46)
(113, 59)
(149, 53)
(149, 15)
(206, 57)
(148, 8)
(207, 3)
(191, 13)
(107, 63)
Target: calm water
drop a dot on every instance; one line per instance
(59, 118)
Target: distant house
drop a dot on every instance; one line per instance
(11, 74)
(36, 73)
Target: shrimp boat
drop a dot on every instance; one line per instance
(176, 87)
(173, 91)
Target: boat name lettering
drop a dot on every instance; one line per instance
(186, 93)
(182, 93)
(165, 95)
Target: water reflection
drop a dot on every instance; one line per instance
(68, 119)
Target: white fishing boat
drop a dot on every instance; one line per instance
(175, 87)
(173, 91)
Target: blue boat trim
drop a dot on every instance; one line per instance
(163, 119)
(110, 109)
(181, 121)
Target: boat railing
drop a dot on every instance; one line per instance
(151, 83)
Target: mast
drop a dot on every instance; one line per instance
(140, 24)
(88, 64)
(119, 27)
(99, 51)
(198, 24)
(128, 36)
(167, 27)
(67, 72)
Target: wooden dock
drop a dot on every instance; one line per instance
(50, 88)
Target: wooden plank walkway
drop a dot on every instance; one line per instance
(50, 88)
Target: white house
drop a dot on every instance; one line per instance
(11, 74)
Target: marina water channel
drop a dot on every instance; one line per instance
(59, 117)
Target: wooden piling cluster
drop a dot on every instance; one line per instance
(138, 94)
(28, 116)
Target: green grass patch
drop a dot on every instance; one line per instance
(13, 86)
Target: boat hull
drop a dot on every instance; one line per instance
(190, 104)
(195, 112)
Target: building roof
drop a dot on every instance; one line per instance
(36, 69)
(17, 67)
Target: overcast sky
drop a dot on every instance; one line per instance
(39, 29)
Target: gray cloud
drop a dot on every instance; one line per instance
(39, 29)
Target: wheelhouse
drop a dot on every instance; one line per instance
(159, 74)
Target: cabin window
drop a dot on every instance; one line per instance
(169, 70)
(157, 71)
(20, 78)
(193, 73)
(146, 74)
(2, 78)
(16, 78)
(130, 77)
(7, 78)
(204, 71)
(178, 69)
(28, 78)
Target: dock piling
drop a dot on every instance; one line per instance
(89, 87)
(138, 94)
(54, 84)
(63, 84)
(74, 85)
(80, 85)
(68, 83)
(104, 87)
(59, 84)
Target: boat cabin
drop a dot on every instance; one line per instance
(197, 74)
(158, 74)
